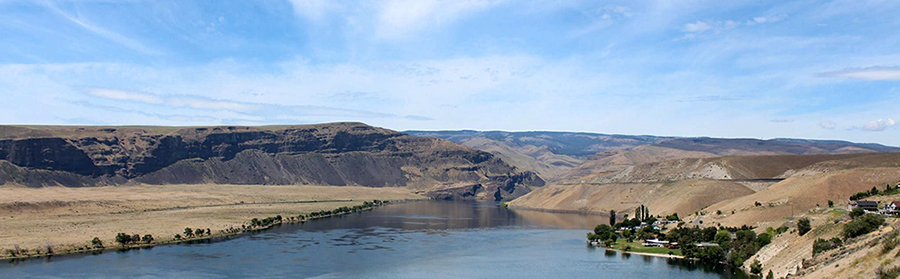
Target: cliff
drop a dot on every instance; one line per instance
(325, 154)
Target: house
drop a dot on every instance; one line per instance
(655, 243)
(866, 205)
(707, 244)
(894, 205)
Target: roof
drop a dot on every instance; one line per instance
(867, 203)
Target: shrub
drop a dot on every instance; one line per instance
(803, 226)
(123, 238)
(756, 267)
(890, 242)
(857, 212)
(97, 243)
(830, 203)
(822, 245)
(865, 224)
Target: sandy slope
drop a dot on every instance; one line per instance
(65, 217)
(796, 195)
(682, 197)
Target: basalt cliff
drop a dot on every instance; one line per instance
(325, 154)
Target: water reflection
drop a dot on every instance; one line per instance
(411, 240)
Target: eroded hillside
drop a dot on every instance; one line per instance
(325, 154)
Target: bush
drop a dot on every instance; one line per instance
(97, 243)
(803, 226)
(756, 267)
(822, 245)
(865, 224)
(857, 212)
(890, 242)
(830, 203)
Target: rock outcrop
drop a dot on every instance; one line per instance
(325, 154)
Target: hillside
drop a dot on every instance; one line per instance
(324, 154)
(784, 184)
(576, 157)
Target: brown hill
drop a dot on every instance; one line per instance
(726, 184)
(325, 154)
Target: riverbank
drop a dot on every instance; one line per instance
(635, 248)
(46, 221)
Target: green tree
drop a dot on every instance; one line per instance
(771, 275)
(803, 226)
(188, 232)
(856, 212)
(199, 232)
(177, 236)
(135, 238)
(97, 243)
(123, 238)
(147, 238)
(602, 229)
(756, 267)
(830, 204)
(612, 217)
(723, 238)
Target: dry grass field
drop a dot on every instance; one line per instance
(33, 218)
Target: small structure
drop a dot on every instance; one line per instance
(655, 243)
(707, 244)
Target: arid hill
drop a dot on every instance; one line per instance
(784, 184)
(576, 157)
(325, 154)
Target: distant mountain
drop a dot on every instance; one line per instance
(324, 154)
(569, 156)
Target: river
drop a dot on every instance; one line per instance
(432, 239)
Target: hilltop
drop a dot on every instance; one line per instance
(324, 154)
(574, 156)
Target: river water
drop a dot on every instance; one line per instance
(410, 240)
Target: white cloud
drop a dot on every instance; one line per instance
(870, 73)
(102, 32)
(197, 103)
(124, 95)
(398, 18)
(827, 125)
(766, 19)
(313, 10)
(879, 125)
(696, 27)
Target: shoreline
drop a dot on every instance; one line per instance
(220, 236)
(640, 253)
(563, 211)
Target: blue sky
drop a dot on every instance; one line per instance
(757, 69)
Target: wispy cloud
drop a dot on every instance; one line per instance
(124, 95)
(870, 73)
(879, 125)
(827, 125)
(103, 32)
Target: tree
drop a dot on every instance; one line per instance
(830, 204)
(602, 229)
(135, 238)
(612, 217)
(865, 224)
(199, 232)
(208, 232)
(723, 238)
(177, 236)
(756, 267)
(97, 243)
(123, 238)
(771, 275)
(803, 226)
(188, 232)
(147, 238)
(856, 212)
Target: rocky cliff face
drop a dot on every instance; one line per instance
(326, 154)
